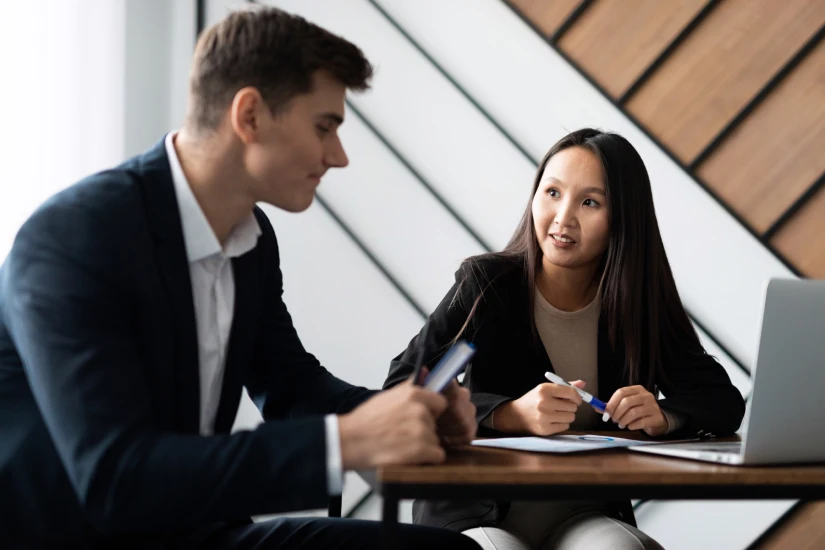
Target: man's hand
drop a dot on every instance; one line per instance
(457, 425)
(396, 426)
(547, 409)
(635, 408)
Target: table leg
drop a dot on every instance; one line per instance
(390, 519)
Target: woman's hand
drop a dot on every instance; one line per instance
(547, 409)
(635, 408)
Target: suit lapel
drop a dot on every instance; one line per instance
(241, 338)
(163, 218)
(611, 364)
(540, 357)
(537, 352)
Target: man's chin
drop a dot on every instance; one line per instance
(295, 205)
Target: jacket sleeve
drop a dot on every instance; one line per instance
(70, 316)
(445, 324)
(284, 379)
(698, 388)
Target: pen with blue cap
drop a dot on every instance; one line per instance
(586, 397)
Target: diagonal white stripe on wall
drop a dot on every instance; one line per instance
(537, 96)
(415, 237)
(444, 140)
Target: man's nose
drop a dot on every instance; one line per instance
(335, 156)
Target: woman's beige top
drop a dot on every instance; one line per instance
(571, 341)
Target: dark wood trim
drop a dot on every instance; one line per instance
(797, 205)
(571, 19)
(666, 53)
(757, 100)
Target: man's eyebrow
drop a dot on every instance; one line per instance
(333, 117)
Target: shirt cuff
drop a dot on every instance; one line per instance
(675, 420)
(335, 473)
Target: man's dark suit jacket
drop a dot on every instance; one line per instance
(99, 375)
(510, 360)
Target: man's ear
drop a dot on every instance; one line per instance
(245, 114)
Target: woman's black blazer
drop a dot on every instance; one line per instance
(511, 360)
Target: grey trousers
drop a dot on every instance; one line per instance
(560, 526)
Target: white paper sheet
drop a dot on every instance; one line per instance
(560, 443)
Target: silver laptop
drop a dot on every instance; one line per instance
(783, 419)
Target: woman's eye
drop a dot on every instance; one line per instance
(553, 192)
(590, 202)
(323, 130)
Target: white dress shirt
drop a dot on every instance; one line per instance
(213, 293)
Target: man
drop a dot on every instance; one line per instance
(135, 305)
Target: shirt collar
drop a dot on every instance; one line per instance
(198, 237)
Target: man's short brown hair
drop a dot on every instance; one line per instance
(271, 50)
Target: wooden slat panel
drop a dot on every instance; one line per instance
(616, 41)
(802, 239)
(720, 67)
(775, 155)
(804, 530)
(547, 15)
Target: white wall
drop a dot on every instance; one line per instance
(148, 39)
(87, 83)
(62, 97)
(160, 38)
(538, 98)
(181, 46)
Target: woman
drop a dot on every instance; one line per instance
(583, 289)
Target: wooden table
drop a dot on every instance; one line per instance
(616, 474)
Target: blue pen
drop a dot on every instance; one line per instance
(586, 397)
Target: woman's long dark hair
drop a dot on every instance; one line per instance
(639, 301)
